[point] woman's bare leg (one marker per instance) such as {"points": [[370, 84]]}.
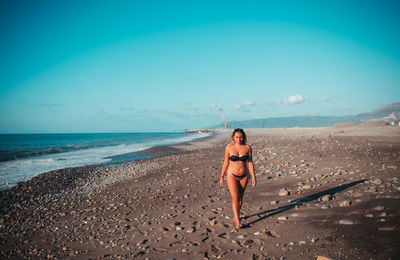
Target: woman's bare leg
{"points": [[236, 188], [242, 188], [233, 186]]}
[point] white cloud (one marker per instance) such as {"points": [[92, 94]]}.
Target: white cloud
{"points": [[187, 106], [244, 105], [248, 103], [325, 99], [295, 99]]}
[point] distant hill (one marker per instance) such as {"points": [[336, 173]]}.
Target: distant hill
{"points": [[389, 113]]}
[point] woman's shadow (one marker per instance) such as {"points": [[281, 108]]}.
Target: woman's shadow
{"points": [[268, 213]]}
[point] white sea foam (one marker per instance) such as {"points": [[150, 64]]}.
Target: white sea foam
{"points": [[12, 172]]}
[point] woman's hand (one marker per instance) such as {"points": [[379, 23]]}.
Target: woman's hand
{"points": [[221, 182], [253, 182]]}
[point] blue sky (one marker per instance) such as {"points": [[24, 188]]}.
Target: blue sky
{"points": [[126, 66]]}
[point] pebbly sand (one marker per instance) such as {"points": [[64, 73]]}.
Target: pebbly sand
{"points": [[319, 193]]}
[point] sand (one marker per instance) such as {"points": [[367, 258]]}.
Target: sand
{"points": [[331, 192]]}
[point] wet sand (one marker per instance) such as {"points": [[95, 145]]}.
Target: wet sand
{"points": [[319, 193]]}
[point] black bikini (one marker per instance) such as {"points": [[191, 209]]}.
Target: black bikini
{"points": [[236, 158], [238, 176]]}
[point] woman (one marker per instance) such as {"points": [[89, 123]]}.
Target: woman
{"points": [[238, 162]]}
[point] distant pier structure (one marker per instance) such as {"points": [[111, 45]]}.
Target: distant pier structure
{"points": [[192, 131]]}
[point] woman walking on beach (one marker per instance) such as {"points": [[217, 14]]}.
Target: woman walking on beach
{"points": [[238, 163]]}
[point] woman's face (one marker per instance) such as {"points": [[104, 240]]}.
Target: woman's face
{"points": [[238, 138]]}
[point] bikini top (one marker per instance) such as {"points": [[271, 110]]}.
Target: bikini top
{"points": [[242, 158]]}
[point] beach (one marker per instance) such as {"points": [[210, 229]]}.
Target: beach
{"points": [[330, 192]]}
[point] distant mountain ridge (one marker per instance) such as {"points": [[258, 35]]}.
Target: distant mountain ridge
{"points": [[389, 113]]}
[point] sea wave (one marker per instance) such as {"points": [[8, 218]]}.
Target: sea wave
{"points": [[14, 171], [15, 154]]}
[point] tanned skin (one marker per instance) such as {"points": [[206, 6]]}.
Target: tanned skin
{"points": [[237, 185]]}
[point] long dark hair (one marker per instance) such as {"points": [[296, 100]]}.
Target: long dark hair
{"points": [[240, 130]]}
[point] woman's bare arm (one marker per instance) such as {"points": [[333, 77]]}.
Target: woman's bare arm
{"points": [[251, 168], [224, 167]]}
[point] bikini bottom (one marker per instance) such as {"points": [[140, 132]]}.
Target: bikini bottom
{"points": [[238, 176]]}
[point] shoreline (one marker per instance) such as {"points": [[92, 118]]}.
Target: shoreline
{"points": [[115, 160], [155, 151], [172, 206], [71, 178]]}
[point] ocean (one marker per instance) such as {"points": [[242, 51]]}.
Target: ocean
{"points": [[23, 156]]}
